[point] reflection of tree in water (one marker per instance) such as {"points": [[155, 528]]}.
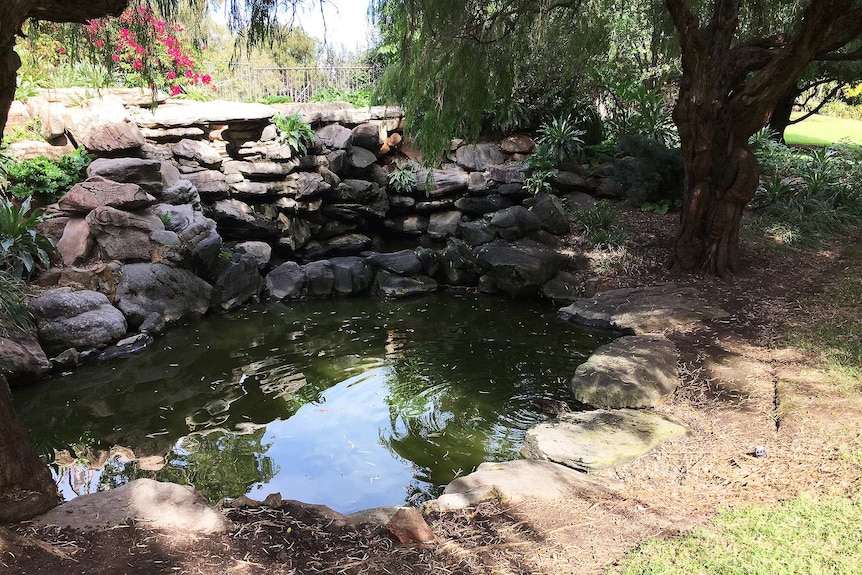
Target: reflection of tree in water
{"points": [[218, 464]]}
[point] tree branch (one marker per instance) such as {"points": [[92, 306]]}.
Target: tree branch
{"points": [[70, 11], [817, 108]]}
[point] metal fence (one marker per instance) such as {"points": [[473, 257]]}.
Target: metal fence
{"points": [[300, 84]]}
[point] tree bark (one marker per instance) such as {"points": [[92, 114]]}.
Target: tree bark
{"points": [[26, 486], [780, 118]]}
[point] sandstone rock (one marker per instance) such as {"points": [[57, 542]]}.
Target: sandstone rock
{"points": [[21, 357], [183, 192], [335, 136], [518, 144], [593, 440], [479, 206], [260, 251], [520, 268], [571, 182], [101, 277], [444, 224], [178, 114], [404, 262], [394, 286], [209, 183], [79, 319], [479, 157], [370, 135], [150, 504], [124, 235], [660, 308], [445, 181], [76, 243], [49, 116], [509, 174], [31, 150], [102, 125], [476, 233], [320, 279], [285, 281], [198, 151], [360, 158], [580, 200], [175, 294], [409, 526], [97, 191], [459, 264], [346, 245], [413, 224], [167, 135], [145, 173], [563, 288], [635, 371], [237, 281]]}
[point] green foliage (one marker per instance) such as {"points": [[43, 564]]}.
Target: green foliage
{"points": [[293, 131], [636, 110], [27, 88], [842, 110], [45, 178], [542, 168], [559, 140], [22, 248], [602, 227], [660, 208], [274, 99], [650, 171], [26, 133], [402, 179], [804, 536], [14, 313], [359, 99]]}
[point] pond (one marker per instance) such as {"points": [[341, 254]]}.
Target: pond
{"points": [[350, 403]]}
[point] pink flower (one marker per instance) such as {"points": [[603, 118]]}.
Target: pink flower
{"points": [[206, 79], [115, 57], [100, 43], [172, 75], [61, 50], [138, 65], [175, 90], [189, 74]]}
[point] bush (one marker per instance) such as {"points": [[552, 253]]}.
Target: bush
{"points": [[403, 178], [22, 248], [47, 179], [559, 140], [14, 313], [650, 171], [293, 131], [842, 110], [359, 98]]}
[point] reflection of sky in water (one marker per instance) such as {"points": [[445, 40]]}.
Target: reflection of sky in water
{"points": [[348, 403]]}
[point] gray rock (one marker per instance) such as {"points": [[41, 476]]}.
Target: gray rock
{"points": [[413, 224], [459, 264], [260, 251], [508, 174], [149, 503], [351, 275], [571, 182], [175, 294], [580, 200], [183, 192], [660, 308], [518, 144], [360, 158], [514, 223], [210, 184], [394, 286], [476, 233], [446, 181], [593, 440], [238, 281], [145, 173], [198, 151], [430, 260], [286, 281], [402, 263], [305, 185], [102, 125], [123, 235], [177, 114], [563, 288], [199, 243], [479, 206], [97, 191], [369, 135], [520, 268], [320, 279], [80, 319], [335, 136], [550, 211], [515, 481], [21, 356], [479, 157], [444, 224], [238, 220], [125, 347], [636, 371]]}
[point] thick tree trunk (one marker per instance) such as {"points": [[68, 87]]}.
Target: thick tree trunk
{"points": [[26, 486], [780, 118]]}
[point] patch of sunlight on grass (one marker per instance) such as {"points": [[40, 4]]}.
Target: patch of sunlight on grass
{"points": [[804, 536], [824, 131]]}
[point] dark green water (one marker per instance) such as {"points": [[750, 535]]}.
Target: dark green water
{"points": [[350, 403]]}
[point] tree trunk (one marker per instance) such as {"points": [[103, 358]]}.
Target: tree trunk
{"points": [[26, 486], [780, 118]]}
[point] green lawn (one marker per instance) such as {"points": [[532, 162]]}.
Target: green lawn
{"points": [[822, 131]]}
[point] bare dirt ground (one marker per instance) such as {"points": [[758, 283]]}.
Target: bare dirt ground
{"points": [[741, 389]]}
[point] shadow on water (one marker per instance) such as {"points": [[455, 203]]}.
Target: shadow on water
{"points": [[351, 403]]}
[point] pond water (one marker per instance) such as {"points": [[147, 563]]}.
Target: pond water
{"points": [[351, 403]]}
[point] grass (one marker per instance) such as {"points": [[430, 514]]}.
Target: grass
{"points": [[824, 131], [803, 536]]}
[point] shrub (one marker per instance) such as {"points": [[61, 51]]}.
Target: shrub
{"points": [[359, 98], [14, 313], [293, 131], [403, 178], [26, 133], [45, 178], [650, 171], [22, 248], [541, 168], [559, 140], [842, 110]]}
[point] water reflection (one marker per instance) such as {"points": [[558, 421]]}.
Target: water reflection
{"points": [[351, 403]]}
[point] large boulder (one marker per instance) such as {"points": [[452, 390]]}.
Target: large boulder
{"points": [[172, 293], [199, 244], [443, 182], [514, 223], [475, 206], [103, 125], [403, 263], [479, 157], [97, 191], [21, 356], [635, 371], [394, 286], [319, 278], [550, 211], [80, 319], [520, 268], [335, 136], [444, 224], [76, 243], [145, 173], [459, 264], [287, 281], [123, 235], [238, 281], [198, 151], [593, 440], [351, 275]]}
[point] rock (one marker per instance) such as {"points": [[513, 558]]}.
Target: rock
{"points": [[285, 281], [443, 182], [179, 114], [351, 275], [123, 235], [150, 504], [370, 135], [518, 144], [430, 260], [260, 251], [593, 440], [305, 185], [660, 308], [360, 158], [101, 277], [397, 202], [80, 319], [514, 223], [571, 182], [238, 281], [635, 371], [402, 263], [514, 481], [209, 183], [409, 526], [476, 233], [335, 136], [413, 224], [102, 125], [125, 347], [394, 286], [509, 174], [459, 264], [259, 170], [199, 152], [183, 192], [145, 173], [175, 294], [562, 288], [238, 220], [199, 242], [97, 192], [31, 150], [76, 242], [320, 279], [346, 245], [49, 116], [375, 516], [551, 213], [580, 200], [167, 135], [479, 157], [608, 188], [444, 224], [479, 206], [21, 356], [520, 268]]}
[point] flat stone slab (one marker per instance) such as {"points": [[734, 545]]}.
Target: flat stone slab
{"points": [[179, 114], [635, 371], [660, 308], [593, 440], [151, 504], [515, 481]]}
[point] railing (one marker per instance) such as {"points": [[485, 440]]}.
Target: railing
{"points": [[300, 83]]}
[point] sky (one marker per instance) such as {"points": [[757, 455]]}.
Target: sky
{"points": [[347, 23]]}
